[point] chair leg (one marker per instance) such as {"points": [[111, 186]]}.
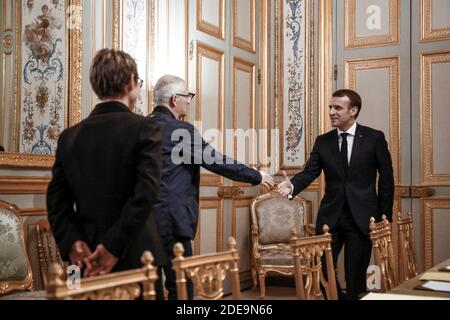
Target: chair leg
{"points": [[254, 277], [262, 284]]}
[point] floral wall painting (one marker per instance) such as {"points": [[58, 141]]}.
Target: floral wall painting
{"points": [[43, 56], [135, 40], [294, 65]]}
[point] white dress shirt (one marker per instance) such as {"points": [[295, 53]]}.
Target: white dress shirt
{"points": [[350, 138]]}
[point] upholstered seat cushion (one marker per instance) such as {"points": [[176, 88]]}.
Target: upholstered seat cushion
{"points": [[35, 295], [13, 263], [275, 258], [276, 218]]}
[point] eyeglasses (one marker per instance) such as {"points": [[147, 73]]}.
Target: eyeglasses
{"points": [[189, 96], [140, 82]]}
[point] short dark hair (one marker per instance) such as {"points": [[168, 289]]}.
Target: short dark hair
{"points": [[110, 72], [355, 98]]}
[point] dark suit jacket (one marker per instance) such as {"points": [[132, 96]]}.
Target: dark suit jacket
{"points": [[370, 155], [105, 181], [176, 209]]}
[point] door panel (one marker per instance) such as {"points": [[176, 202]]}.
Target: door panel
{"points": [[223, 68], [244, 150], [240, 230], [210, 102], [378, 81], [430, 160], [396, 55], [210, 227]]}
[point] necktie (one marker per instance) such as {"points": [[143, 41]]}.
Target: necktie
{"points": [[344, 156]]}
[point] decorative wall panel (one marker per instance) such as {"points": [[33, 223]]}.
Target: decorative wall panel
{"points": [[370, 23], [295, 69], [43, 73], [434, 119]]}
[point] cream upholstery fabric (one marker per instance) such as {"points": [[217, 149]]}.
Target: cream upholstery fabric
{"points": [[276, 218], [276, 258], [13, 263]]}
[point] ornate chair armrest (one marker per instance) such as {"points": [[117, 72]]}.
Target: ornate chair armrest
{"points": [[310, 230]]}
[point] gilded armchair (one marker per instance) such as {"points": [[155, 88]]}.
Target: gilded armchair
{"points": [[15, 268], [48, 252], [310, 254], [273, 217], [207, 272], [383, 252], [407, 247], [124, 285]]}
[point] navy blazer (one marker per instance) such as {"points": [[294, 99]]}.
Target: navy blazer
{"points": [[105, 181], [176, 209], [370, 155]]}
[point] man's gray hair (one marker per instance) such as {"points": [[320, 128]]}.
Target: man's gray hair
{"points": [[166, 87]]}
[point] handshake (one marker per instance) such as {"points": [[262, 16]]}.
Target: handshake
{"points": [[285, 188]]}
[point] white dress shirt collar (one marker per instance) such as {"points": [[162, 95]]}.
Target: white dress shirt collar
{"points": [[351, 131]]}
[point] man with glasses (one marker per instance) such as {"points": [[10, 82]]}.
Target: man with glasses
{"points": [[106, 177], [176, 209]]}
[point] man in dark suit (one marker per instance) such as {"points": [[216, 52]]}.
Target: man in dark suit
{"points": [[350, 157], [184, 152], [106, 176]]}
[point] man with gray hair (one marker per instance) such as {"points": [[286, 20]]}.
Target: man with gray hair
{"points": [[106, 177], [184, 150]]}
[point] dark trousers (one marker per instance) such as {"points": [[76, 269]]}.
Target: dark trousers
{"points": [[169, 242], [358, 250]]}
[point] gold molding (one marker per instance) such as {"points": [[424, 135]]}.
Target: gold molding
{"points": [[393, 64], [75, 68], [206, 51], [23, 160], [8, 42], [265, 50], [352, 41], [210, 203], [24, 185], [402, 192], [325, 76], [32, 212], [15, 114], [396, 207], [250, 68], [239, 42], [308, 80], [116, 24], [427, 227], [422, 192], [206, 27], [73, 91], [427, 33], [7, 101], [124, 285], [186, 38], [210, 180], [413, 192], [428, 177]]}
